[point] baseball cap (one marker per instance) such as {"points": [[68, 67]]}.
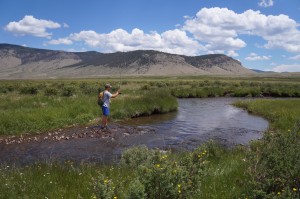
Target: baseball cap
{"points": [[107, 86]]}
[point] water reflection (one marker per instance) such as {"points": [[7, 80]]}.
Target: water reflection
{"points": [[202, 119]]}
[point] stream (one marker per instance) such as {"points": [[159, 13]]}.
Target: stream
{"points": [[196, 122]]}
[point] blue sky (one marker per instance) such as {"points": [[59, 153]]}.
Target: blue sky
{"points": [[262, 34]]}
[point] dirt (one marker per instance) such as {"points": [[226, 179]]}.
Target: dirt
{"points": [[80, 144]]}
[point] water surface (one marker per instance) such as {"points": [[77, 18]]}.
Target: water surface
{"points": [[196, 122]]}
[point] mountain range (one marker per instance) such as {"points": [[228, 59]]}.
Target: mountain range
{"points": [[24, 62]]}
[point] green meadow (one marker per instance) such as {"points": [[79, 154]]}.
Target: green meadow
{"points": [[268, 169]]}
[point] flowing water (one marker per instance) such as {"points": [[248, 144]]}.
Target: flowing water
{"points": [[196, 122], [200, 120]]}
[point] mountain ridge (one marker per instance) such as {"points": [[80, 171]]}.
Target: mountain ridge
{"points": [[25, 62]]}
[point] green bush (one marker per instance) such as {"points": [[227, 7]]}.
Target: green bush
{"points": [[103, 187], [31, 90], [163, 177], [136, 190], [277, 166], [50, 92], [68, 91]]}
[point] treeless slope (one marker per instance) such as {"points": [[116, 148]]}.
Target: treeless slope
{"points": [[23, 62]]}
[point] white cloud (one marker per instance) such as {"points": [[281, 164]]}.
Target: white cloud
{"points": [[171, 41], [32, 26], [212, 30], [232, 53], [65, 25], [266, 3], [255, 57], [297, 57], [287, 68], [220, 28], [65, 41]]}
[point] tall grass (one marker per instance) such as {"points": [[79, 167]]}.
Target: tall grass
{"points": [[275, 160], [31, 113]]}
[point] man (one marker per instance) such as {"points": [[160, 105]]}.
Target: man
{"points": [[106, 104]]}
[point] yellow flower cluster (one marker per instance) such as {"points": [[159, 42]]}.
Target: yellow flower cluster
{"points": [[163, 157], [179, 188], [294, 189], [202, 154]]}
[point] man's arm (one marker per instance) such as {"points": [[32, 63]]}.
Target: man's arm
{"points": [[115, 94]]}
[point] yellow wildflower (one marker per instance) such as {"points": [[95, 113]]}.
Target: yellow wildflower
{"points": [[179, 191], [106, 181], [115, 197], [157, 165], [179, 185], [294, 189], [278, 193]]}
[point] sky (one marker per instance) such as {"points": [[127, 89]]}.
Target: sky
{"points": [[261, 34]]}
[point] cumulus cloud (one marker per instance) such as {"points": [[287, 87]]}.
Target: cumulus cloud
{"points": [[232, 53], [212, 30], [266, 3], [220, 28], [171, 41], [65, 25], [255, 57], [32, 26], [65, 41], [287, 68], [297, 57]]}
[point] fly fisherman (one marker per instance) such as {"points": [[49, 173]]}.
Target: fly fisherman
{"points": [[106, 104]]}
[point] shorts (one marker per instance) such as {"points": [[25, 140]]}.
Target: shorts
{"points": [[105, 111]]}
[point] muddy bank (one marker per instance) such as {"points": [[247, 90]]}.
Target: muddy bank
{"points": [[79, 144]]}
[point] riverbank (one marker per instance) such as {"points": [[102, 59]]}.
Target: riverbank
{"points": [[227, 125], [269, 169], [224, 173]]}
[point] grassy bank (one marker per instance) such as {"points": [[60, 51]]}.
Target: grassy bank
{"points": [[208, 172], [269, 169], [42, 106], [30, 106], [275, 160]]}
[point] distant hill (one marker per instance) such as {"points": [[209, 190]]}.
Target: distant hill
{"points": [[23, 62]]}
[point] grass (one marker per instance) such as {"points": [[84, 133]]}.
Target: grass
{"points": [[30, 106], [274, 161], [269, 169]]}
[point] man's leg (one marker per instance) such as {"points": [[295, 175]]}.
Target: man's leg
{"points": [[104, 121], [105, 111]]}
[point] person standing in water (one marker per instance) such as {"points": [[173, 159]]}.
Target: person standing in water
{"points": [[106, 104]]}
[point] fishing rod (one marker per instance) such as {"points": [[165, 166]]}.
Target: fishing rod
{"points": [[120, 77]]}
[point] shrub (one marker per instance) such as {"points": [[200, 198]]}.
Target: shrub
{"points": [[160, 176], [103, 187], [146, 87], [50, 92], [136, 190], [68, 91], [276, 165], [31, 90], [3, 90]]}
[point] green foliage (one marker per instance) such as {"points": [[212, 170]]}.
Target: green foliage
{"points": [[274, 161], [163, 177], [68, 91], [31, 90], [103, 187], [50, 92], [136, 190]]}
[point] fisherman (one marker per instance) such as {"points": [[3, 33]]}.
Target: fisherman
{"points": [[106, 104]]}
